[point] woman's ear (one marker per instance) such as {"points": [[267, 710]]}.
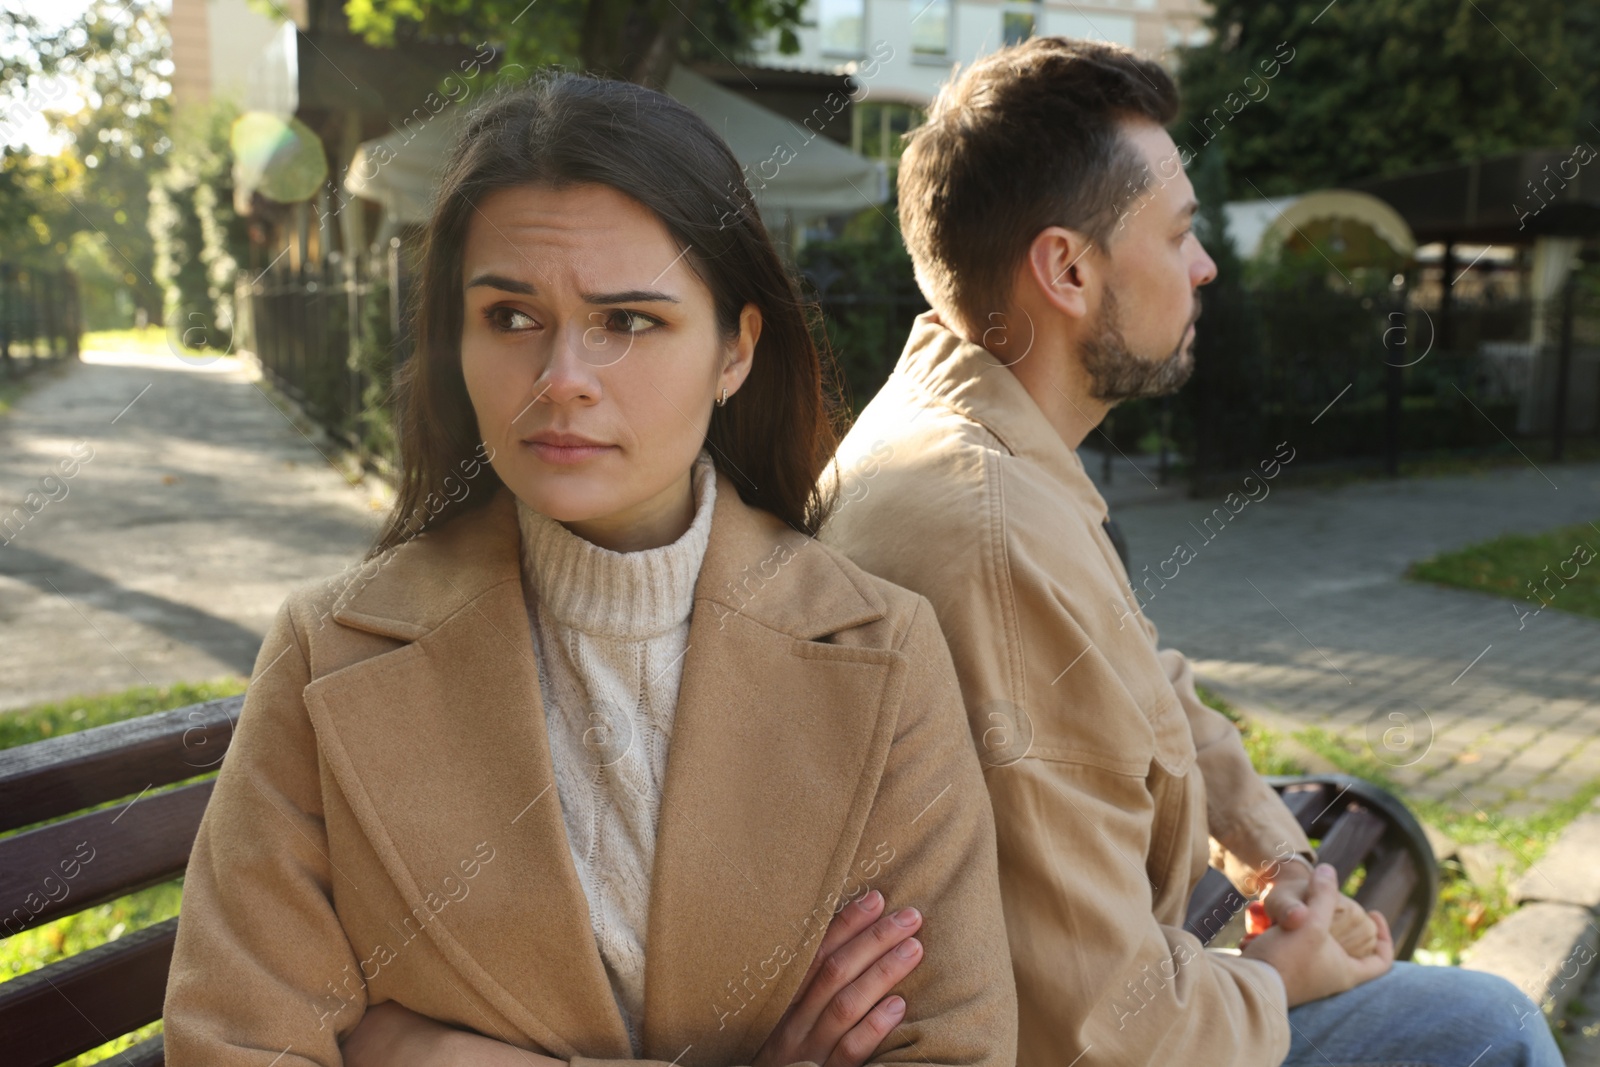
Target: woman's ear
{"points": [[742, 354]]}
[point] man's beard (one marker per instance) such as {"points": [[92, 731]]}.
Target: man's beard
{"points": [[1117, 374]]}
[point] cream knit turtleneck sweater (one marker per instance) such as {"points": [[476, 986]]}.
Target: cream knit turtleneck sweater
{"points": [[610, 630]]}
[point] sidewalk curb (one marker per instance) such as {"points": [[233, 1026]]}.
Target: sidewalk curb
{"points": [[1549, 946]]}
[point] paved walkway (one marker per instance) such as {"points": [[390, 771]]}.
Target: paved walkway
{"points": [[1297, 605], [198, 509]]}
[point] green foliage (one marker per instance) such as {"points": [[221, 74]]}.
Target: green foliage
{"points": [[36, 216], [1532, 569], [116, 56], [1382, 86], [606, 35], [866, 325], [120, 137], [200, 239]]}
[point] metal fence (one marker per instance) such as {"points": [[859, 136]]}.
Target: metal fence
{"points": [[1371, 380], [40, 318], [1341, 378], [330, 339]]}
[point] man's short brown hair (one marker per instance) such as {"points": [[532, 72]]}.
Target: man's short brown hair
{"points": [[1025, 138]]}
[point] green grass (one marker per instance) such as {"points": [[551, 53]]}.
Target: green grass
{"points": [[1264, 746], [1551, 561], [1464, 910], [150, 340], [71, 934], [80, 713]]}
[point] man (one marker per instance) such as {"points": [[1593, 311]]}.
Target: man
{"points": [[1048, 217]]}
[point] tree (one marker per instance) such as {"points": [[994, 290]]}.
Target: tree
{"points": [[115, 57], [1307, 94], [122, 135], [634, 39]]}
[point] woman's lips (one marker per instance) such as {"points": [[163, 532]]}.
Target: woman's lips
{"points": [[566, 455]]}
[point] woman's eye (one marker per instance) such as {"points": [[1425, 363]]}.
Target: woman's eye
{"points": [[629, 321], [508, 319]]}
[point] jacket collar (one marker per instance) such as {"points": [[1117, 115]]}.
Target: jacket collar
{"points": [[778, 745], [967, 378]]}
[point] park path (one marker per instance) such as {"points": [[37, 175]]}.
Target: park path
{"points": [[1297, 606], [200, 507]]}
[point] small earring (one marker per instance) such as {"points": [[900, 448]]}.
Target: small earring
{"points": [[722, 401]]}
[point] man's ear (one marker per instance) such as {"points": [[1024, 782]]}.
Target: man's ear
{"points": [[1062, 266]]}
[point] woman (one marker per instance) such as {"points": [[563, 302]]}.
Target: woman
{"points": [[587, 762]]}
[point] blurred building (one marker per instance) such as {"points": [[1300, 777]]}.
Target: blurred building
{"points": [[215, 44]]}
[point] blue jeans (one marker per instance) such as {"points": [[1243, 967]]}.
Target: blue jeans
{"points": [[1416, 1016]]}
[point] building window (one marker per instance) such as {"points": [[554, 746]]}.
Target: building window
{"points": [[876, 129], [1018, 22], [930, 27], [842, 24]]}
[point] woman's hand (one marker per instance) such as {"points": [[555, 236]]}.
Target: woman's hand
{"points": [[390, 1035], [842, 1012]]}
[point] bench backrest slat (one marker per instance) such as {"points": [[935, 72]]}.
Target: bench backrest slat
{"points": [[75, 864], [61, 775], [81, 1002]]}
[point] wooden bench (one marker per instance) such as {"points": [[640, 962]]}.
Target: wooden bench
{"points": [[73, 860], [1361, 827], [141, 834]]}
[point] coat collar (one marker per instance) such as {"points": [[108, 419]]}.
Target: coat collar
{"points": [[967, 378], [424, 581], [777, 748]]}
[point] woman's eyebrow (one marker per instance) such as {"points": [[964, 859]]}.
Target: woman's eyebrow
{"points": [[625, 296], [500, 281], [630, 296]]}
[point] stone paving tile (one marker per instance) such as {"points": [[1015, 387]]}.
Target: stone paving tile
{"points": [[201, 508], [1300, 604]]}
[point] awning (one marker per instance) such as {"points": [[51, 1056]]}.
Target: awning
{"points": [[1260, 227], [794, 175]]}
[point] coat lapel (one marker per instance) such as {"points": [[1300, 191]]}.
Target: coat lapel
{"points": [[777, 747], [439, 745]]}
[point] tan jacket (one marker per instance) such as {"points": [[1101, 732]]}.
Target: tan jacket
{"points": [[384, 826], [1105, 770]]}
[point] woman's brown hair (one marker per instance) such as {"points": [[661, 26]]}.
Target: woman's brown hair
{"points": [[772, 439]]}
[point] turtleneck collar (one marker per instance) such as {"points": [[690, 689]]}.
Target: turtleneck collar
{"points": [[633, 595]]}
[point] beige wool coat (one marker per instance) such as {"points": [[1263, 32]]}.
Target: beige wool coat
{"points": [[1107, 773], [384, 826]]}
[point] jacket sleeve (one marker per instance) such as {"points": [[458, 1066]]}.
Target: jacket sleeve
{"points": [[929, 843], [259, 971], [1243, 812]]}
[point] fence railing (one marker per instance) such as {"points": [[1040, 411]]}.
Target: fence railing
{"points": [[1341, 378], [1371, 380], [330, 338], [40, 318]]}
